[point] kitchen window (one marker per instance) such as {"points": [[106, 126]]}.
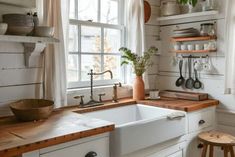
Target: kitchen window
{"points": [[96, 32]]}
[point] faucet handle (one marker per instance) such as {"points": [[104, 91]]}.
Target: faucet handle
{"points": [[119, 84], [100, 97], [80, 97]]}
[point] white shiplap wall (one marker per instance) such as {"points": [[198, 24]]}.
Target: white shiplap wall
{"points": [[16, 80], [152, 36]]}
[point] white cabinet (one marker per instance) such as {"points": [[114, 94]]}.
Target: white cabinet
{"points": [[177, 154], [199, 121], [98, 147]]}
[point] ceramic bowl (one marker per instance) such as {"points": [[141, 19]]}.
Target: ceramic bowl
{"points": [[44, 31], [3, 28]]}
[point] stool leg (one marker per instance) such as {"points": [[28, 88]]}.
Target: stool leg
{"points": [[204, 151], [211, 151], [226, 151], [231, 151]]}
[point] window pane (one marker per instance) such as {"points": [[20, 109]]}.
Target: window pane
{"points": [[88, 10], [91, 39], [90, 62], [73, 68], [72, 9], [73, 38], [109, 11], [112, 40], [112, 62]]}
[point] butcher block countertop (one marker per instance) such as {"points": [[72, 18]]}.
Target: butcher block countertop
{"points": [[66, 124]]}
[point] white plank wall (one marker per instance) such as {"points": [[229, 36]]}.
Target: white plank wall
{"points": [[16, 80], [152, 36]]}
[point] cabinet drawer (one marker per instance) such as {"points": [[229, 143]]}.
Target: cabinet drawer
{"points": [[200, 120], [177, 154], [99, 146]]}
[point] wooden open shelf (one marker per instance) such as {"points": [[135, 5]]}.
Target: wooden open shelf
{"points": [[194, 38], [194, 51]]}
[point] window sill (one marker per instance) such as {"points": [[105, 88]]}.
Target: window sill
{"points": [[75, 90], [124, 91]]}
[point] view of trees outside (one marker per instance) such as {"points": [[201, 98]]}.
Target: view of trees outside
{"points": [[93, 54]]}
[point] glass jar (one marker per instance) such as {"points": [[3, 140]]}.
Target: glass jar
{"points": [[207, 29]]}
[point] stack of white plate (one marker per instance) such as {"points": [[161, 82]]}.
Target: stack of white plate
{"points": [[187, 32]]}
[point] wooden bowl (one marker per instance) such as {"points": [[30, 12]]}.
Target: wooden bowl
{"points": [[32, 109]]}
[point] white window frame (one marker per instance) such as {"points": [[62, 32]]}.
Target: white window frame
{"points": [[120, 26]]}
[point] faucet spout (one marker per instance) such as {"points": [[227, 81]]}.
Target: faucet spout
{"points": [[92, 101], [107, 71]]}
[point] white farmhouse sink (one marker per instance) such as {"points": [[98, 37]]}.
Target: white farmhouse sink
{"points": [[140, 126]]}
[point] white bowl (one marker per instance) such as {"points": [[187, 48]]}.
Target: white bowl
{"points": [[44, 31], [3, 28]]}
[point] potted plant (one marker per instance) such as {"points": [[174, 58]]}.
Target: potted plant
{"points": [[140, 64], [191, 4]]}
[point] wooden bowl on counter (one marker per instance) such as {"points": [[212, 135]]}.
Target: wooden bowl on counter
{"points": [[32, 109]]}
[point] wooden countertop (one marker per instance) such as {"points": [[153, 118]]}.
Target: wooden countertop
{"points": [[180, 104], [65, 125]]}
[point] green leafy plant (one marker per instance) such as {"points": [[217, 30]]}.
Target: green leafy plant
{"points": [[191, 2], [139, 63]]}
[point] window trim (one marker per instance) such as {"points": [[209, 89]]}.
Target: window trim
{"points": [[120, 26]]}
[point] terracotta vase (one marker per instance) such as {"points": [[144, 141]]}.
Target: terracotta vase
{"points": [[138, 88]]}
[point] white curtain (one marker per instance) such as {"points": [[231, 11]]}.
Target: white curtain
{"points": [[55, 84], [230, 52], [135, 30]]}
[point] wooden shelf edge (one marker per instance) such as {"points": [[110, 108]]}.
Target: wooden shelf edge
{"points": [[194, 51], [188, 15], [27, 39], [200, 38]]}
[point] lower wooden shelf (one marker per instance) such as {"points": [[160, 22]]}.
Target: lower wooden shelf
{"points": [[194, 51]]}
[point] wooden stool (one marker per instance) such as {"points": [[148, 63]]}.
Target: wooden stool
{"points": [[219, 139]]}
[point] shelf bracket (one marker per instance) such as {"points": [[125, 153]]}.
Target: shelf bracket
{"points": [[32, 51]]}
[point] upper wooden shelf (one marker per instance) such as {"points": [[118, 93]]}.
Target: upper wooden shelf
{"points": [[194, 38], [27, 39], [189, 15]]}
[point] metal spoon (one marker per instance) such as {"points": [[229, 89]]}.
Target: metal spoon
{"points": [[180, 80], [189, 82], [197, 84]]}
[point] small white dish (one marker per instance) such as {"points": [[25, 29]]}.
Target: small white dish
{"points": [[183, 47], [157, 98]]}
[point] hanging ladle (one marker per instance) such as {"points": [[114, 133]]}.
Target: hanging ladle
{"points": [[189, 82], [197, 84], [180, 80]]}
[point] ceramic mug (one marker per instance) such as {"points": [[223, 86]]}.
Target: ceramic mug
{"points": [[176, 47], [198, 65], [206, 65], [154, 94], [206, 46], [191, 47], [198, 47], [183, 47]]}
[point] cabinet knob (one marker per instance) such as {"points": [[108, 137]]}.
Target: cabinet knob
{"points": [[200, 146], [91, 154], [201, 122]]}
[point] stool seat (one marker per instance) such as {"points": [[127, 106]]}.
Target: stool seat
{"points": [[215, 138]]}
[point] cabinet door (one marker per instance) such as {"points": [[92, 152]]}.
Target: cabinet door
{"points": [[100, 147], [177, 154]]}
